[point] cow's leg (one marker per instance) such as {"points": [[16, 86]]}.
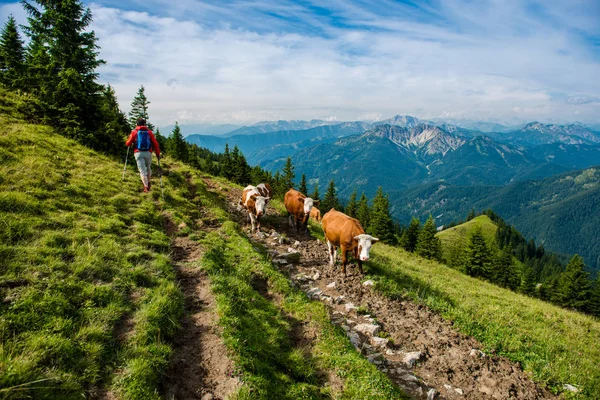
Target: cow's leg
{"points": [[298, 223], [331, 249], [360, 267], [291, 220], [253, 220], [344, 259], [258, 224], [358, 261]]}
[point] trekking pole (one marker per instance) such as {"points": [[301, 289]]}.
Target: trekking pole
{"points": [[125, 167], [162, 189]]}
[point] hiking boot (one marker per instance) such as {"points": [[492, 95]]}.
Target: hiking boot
{"points": [[146, 189], [149, 185]]}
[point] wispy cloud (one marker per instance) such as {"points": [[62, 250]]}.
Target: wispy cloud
{"points": [[242, 61]]}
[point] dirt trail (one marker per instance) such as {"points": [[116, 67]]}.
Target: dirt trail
{"points": [[415, 347], [199, 367]]}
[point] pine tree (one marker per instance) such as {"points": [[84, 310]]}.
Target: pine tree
{"points": [[527, 281], [363, 211], [315, 194], [505, 273], [594, 303], [410, 236], [351, 207], [381, 224], [240, 171], [178, 147], [429, 245], [226, 165], [115, 124], [12, 56], [139, 108], [303, 189], [288, 175], [478, 260], [330, 199], [574, 286], [162, 141], [471, 214], [62, 58]]}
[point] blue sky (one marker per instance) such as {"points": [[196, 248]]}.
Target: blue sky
{"points": [[248, 60]]}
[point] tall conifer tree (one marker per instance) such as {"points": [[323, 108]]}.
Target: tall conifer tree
{"points": [[594, 303], [303, 189], [178, 147], [363, 211], [380, 223], [139, 108], [351, 207], [288, 175], [478, 259], [330, 199], [411, 235], [315, 194], [574, 286], [62, 59], [429, 245], [12, 55]]}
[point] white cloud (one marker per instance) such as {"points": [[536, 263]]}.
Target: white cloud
{"points": [[220, 62]]}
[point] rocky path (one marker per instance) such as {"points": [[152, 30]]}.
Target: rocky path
{"points": [[415, 347], [199, 368]]}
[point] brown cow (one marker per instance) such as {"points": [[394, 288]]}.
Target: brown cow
{"points": [[298, 207], [347, 233], [255, 203], [315, 214]]}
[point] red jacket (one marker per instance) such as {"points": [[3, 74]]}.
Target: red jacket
{"points": [[133, 139]]}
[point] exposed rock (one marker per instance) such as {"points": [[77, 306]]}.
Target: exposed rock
{"points": [[459, 391], [350, 306], [476, 353], [276, 235], [379, 342], [292, 250], [331, 285], [314, 293], [411, 358], [281, 261], [208, 396], [409, 378], [339, 300], [316, 276], [261, 235], [292, 258], [368, 329], [281, 240], [296, 243], [368, 283], [432, 394], [570, 388], [390, 352], [354, 338], [374, 358]]}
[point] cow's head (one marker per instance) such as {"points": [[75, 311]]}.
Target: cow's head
{"points": [[308, 205], [260, 204], [364, 245]]}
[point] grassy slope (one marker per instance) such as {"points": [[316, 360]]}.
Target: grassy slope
{"points": [[556, 345], [456, 238], [89, 294], [84, 258], [258, 331]]}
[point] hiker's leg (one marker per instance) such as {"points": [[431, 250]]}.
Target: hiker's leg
{"points": [[148, 158], [141, 164]]}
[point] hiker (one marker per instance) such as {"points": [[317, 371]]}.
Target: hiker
{"points": [[144, 144]]}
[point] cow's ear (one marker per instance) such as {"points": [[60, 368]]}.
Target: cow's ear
{"points": [[267, 198], [356, 238], [316, 202], [374, 240], [301, 200]]}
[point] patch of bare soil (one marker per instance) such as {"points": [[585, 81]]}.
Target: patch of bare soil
{"points": [[420, 351], [199, 368]]}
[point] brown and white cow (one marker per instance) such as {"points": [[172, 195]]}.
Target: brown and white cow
{"points": [[298, 207], [255, 203], [347, 233], [315, 214]]}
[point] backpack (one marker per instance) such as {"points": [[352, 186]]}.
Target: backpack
{"points": [[143, 140]]}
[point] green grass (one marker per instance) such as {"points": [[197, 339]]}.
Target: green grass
{"points": [[258, 330], [82, 253], [558, 346], [455, 240]]}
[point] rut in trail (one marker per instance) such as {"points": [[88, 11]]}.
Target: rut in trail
{"points": [[419, 351], [199, 367]]}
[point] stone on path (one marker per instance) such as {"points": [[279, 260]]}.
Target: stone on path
{"points": [[367, 329], [368, 283], [331, 285], [570, 388], [411, 358]]}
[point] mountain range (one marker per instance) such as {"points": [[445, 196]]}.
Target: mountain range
{"points": [[440, 168]]}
